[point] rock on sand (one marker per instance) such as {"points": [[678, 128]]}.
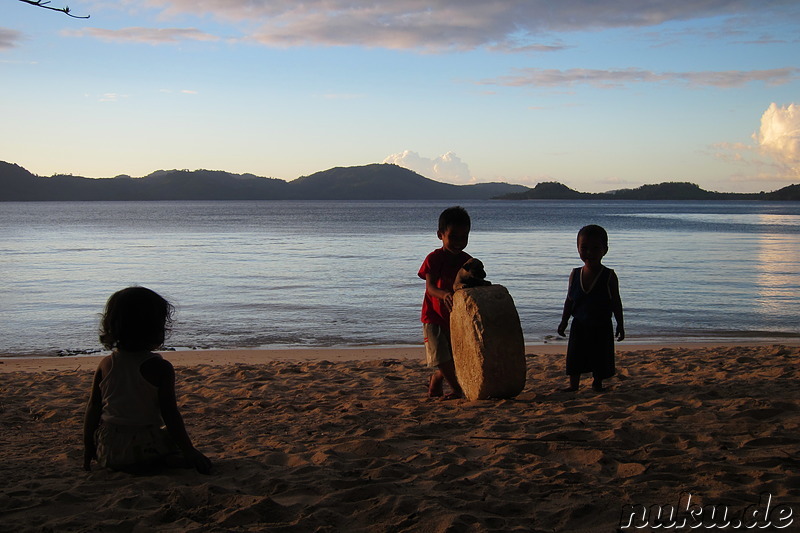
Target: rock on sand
{"points": [[488, 346]]}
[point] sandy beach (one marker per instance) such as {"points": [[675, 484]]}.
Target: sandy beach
{"points": [[346, 440]]}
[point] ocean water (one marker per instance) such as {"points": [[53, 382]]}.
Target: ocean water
{"points": [[293, 274]]}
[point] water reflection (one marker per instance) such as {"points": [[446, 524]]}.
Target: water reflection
{"points": [[778, 292]]}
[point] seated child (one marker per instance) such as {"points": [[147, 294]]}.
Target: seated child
{"points": [[133, 392]]}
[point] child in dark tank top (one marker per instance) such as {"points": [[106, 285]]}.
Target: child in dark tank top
{"points": [[592, 297]]}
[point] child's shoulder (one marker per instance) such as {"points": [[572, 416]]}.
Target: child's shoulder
{"points": [[157, 360], [435, 253], [442, 254], [158, 370], [104, 365], [433, 256]]}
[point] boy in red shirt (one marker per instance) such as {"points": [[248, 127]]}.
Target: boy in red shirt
{"points": [[439, 272]]}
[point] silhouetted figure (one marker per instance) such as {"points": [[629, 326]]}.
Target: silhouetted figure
{"points": [[133, 392], [592, 297]]}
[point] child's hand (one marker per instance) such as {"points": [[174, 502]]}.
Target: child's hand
{"points": [[88, 455], [562, 328], [620, 333], [448, 301], [200, 462]]}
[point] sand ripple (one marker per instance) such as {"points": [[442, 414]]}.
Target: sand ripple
{"points": [[356, 446]]}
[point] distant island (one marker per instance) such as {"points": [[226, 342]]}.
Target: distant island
{"points": [[368, 182], [662, 191]]}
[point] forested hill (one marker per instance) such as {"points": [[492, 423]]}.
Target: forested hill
{"points": [[661, 191], [369, 182]]}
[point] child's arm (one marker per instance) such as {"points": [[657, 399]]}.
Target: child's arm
{"points": [[436, 292], [562, 327], [616, 305], [566, 313], [91, 420], [174, 421]]}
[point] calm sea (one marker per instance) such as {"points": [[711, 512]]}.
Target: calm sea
{"points": [[277, 274]]}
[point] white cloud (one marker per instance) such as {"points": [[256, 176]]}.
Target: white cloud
{"points": [[775, 155], [779, 136], [447, 168], [111, 97], [456, 24]]}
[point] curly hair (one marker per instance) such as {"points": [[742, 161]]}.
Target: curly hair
{"points": [[136, 319]]}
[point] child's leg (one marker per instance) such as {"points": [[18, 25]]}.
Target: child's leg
{"points": [[597, 385], [437, 352], [448, 370], [436, 385], [574, 383]]}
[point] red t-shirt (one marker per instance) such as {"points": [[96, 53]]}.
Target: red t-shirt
{"points": [[443, 268]]}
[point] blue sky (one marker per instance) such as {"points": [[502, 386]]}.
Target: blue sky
{"points": [[595, 94]]}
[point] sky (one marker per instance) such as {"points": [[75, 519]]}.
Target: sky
{"points": [[598, 95]]}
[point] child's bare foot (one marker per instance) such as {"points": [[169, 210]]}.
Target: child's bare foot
{"points": [[597, 386], [453, 395], [435, 387], [570, 389]]}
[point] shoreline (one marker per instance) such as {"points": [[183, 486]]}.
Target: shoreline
{"points": [[255, 356]]}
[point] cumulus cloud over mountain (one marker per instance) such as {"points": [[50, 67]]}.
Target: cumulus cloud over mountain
{"points": [[447, 168]]}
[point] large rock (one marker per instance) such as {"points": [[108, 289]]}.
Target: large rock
{"points": [[488, 347]]}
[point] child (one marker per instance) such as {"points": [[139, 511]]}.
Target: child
{"points": [[592, 297], [439, 272], [133, 393]]}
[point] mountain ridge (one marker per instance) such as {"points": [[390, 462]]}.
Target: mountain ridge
{"points": [[368, 182], [378, 181], [670, 190]]}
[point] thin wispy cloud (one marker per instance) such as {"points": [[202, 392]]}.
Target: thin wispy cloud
{"points": [[449, 25], [181, 91], [511, 47], [145, 35], [9, 38], [112, 97], [342, 96], [613, 78]]}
